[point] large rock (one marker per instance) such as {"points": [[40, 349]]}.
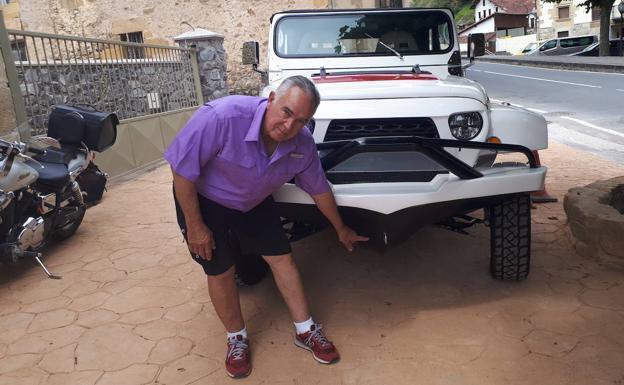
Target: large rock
{"points": [[595, 223]]}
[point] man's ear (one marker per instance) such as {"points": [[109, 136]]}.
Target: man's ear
{"points": [[271, 97]]}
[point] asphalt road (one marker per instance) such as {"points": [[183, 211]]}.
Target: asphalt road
{"points": [[584, 109]]}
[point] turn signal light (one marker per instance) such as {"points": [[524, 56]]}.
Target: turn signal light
{"points": [[494, 139]]}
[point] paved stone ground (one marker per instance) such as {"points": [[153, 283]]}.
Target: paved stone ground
{"points": [[133, 309]]}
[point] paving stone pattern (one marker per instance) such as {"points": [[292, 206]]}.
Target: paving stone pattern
{"points": [[132, 308]]}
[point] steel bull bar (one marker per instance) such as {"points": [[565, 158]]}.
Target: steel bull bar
{"points": [[387, 229], [342, 150]]}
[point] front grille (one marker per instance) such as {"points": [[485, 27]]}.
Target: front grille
{"points": [[345, 129]]}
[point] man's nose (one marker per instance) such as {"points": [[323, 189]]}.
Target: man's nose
{"points": [[291, 123]]}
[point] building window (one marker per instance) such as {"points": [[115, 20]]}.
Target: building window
{"points": [[484, 3], [563, 34], [390, 4], [531, 22], [595, 12], [489, 11], [133, 52], [4, 2], [18, 47], [496, 9], [563, 12]]}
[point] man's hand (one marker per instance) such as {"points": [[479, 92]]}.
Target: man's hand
{"points": [[200, 241], [348, 237]]}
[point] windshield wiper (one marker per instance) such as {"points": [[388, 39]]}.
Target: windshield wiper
{"points": [[387, 46]]}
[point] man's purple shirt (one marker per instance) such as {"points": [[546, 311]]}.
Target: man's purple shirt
{"points": [[221, 151]]}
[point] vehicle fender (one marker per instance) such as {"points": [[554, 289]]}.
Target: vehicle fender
{"points": [[514, 125]]}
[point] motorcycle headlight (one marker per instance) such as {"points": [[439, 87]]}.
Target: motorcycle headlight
{"points": [[465, 125]]}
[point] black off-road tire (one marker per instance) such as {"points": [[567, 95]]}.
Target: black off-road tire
{"points": [[510, 238]]}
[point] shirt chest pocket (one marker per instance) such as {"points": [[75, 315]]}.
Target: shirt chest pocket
{"points": [[236, 166], [288, 167]]}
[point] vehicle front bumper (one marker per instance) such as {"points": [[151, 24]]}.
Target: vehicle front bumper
{"points": [[390, 211]]}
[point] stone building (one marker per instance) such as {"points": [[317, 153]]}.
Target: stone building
{"points": [[158, 22], [570, 18]]}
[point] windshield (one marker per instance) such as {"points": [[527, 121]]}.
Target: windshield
{"points": [[365, 34], [530, 47]]}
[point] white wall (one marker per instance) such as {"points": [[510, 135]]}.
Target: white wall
{"points": [[580, 16], [489, 8], [486, 26], [514, 45], [545, 20]]}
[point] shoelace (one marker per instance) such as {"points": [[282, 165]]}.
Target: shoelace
{"points": [[317, 336], [237, 348]]}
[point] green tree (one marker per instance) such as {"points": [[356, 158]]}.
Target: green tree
{"points": [[461, 8], [605, 19]]}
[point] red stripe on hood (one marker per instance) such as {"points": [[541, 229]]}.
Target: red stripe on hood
{"points": [[370, 77]]}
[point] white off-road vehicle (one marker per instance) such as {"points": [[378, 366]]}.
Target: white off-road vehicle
{"points": [[405, 140]]}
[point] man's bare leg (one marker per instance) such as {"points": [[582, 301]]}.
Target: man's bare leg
{"points": [[224, 295], [290, 285]]}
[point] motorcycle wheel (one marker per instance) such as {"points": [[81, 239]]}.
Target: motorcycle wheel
{"points": [[69, 229]]}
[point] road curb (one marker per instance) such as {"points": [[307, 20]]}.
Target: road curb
{"points": [[592, 67]]}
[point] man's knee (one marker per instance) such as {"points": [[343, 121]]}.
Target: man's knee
{"points": [[277, 261], [221, 278]]}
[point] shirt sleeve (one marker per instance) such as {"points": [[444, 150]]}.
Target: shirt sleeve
{"points": [[312, 179], [196, 144]]}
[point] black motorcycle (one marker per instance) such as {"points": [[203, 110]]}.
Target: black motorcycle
{"points": [[40, 193]]}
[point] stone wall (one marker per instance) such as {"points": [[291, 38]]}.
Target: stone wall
{"points": [[121, 87], [237, 20], [212, 63]]}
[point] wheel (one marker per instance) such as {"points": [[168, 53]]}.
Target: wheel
{"points": [[250, 269], [70, 228], [510, 238]]}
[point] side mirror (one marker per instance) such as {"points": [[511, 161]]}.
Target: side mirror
{"points": [[251, 53], [476, 45]]}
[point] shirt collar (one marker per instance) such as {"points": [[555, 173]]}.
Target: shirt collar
{"points": [[253, 134]]}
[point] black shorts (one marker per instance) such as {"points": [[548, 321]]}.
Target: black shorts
{"points": [[258, 231]]}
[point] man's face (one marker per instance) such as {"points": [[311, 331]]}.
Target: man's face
{"points": [[287, 114]]}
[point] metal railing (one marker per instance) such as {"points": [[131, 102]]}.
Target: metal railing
{"points": [[128, 78]]}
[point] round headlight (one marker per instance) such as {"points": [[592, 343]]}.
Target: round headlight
{"points": [[465, 125]]}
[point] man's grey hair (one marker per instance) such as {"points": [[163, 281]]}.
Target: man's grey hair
{"points": [[305, 84]]}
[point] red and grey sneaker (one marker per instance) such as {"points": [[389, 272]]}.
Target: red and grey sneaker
{"points": [[238, 359], [315, 341]]}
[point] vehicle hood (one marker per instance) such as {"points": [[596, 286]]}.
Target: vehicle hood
{"points": [[397, 87]]}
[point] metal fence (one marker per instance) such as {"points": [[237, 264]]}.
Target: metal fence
{"points": [[128, 78]]}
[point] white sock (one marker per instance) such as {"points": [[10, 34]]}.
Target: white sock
{"points": [[242, 332], [305, 326]]}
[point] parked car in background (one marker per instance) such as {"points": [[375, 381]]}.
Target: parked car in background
{"points": [[532, 46], [594, 49], [565, 45]]}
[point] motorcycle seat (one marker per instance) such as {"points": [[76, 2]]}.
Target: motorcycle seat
{"points": [[53, 175], [61, 155]]}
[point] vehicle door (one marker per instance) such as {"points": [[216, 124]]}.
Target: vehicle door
{"points": [[548, 48], [572, 45]]}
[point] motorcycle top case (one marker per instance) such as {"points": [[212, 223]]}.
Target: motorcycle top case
{"points": [[75, 125]]}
